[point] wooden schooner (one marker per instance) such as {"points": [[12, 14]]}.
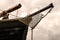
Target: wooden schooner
{"points": [[16, 29]]}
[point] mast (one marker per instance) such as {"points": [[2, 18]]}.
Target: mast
{"points": [[5, 12], [39, 11]]}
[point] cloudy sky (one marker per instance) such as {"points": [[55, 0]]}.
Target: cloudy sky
{"points": [[49, 27]]}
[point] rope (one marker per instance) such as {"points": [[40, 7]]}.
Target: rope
{"points": [[47, 12], [17, 14], [31, 34], [13, 15], [37, 23]]}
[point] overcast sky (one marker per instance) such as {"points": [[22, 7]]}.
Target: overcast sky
{"points": [[49, 27]]}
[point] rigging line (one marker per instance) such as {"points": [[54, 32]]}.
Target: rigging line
{"points": [[17, 10], [47, 12], [42, 17], [31, 33], [17, 13], [14, 15], [37, 23]]}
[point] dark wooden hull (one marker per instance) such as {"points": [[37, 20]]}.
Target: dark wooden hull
{"points": [[13, 30]]}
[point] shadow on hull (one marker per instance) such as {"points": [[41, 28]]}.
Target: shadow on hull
{"points": [[13, 30]]}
